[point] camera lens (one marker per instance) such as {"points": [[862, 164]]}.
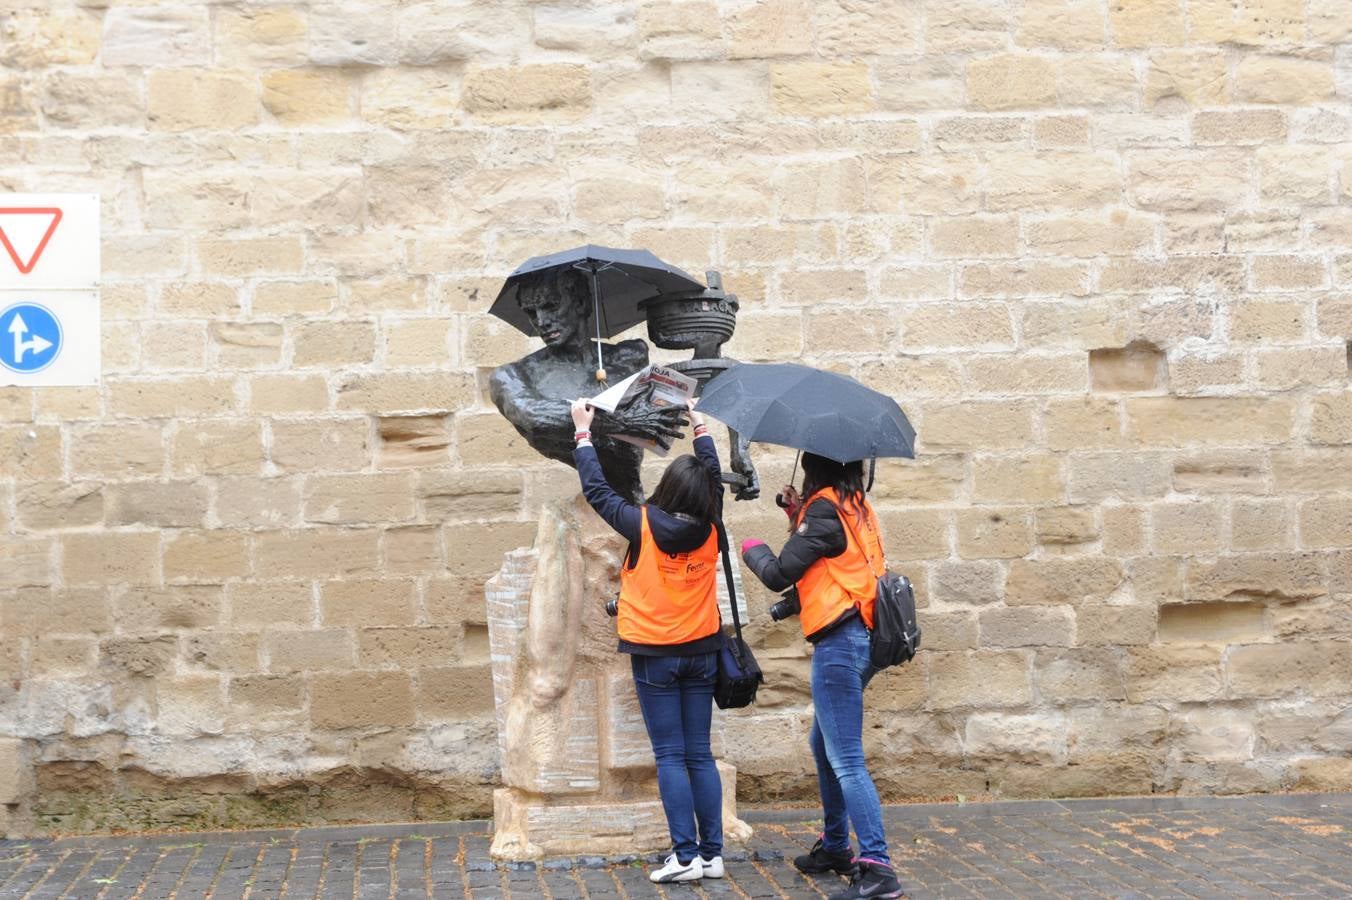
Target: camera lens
{"points": [[787, 606]]}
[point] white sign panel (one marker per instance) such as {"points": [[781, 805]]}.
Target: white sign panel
{"points": [[49, 241], [49, 299], [49, 338]]}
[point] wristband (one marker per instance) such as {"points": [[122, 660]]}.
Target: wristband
{"points": [[701, 430], [582, 436]]}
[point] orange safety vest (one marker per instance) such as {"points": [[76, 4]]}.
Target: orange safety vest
{"points": [[669, 598], [832, 585]]}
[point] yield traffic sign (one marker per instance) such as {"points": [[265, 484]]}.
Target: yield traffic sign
{"points": [[25, 231], [49, 242]]}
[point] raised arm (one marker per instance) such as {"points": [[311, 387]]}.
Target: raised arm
{"points": [[543, 421], [620, 514], [705, 448]]}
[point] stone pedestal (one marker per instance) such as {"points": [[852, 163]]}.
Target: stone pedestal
{"points": [[577, 768]]}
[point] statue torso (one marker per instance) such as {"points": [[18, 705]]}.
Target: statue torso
{"points": [[569, 382]]}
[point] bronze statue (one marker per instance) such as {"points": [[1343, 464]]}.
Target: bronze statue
{"points": [[534, 392], [575, 778]]}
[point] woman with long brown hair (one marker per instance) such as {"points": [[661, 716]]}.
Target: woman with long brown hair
{"points": [[833, 558], [669, 624]]}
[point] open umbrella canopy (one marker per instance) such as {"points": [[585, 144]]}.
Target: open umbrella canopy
{"points": [[622, 278], [821, 412]]}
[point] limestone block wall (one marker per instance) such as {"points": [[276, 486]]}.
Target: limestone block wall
{"points": [[1101, 250]]}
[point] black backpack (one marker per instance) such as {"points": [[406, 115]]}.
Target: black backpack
{"points": [[896, 634]]}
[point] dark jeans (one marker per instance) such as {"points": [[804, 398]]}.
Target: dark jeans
{"points": [[676, 694], [840, 672]]}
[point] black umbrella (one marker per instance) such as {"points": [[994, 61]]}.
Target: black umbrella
{"points": [[620, 279], [821, 412]]}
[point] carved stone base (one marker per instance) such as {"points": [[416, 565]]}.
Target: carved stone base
{"points": [[577, 767], [527, 826]]}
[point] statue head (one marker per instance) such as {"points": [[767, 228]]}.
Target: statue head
{"points": [[558, 304]]}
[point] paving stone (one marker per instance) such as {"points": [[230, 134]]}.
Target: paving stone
{"points": [[1290, 846]]}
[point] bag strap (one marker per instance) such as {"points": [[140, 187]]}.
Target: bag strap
{"points": [[727, 574]]}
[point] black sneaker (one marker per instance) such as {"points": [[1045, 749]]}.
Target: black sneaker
{"points": [[873, 880], [819, 859]]}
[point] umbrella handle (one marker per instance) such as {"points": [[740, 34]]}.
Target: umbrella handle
{"points": [[872, 467], [596, 316]]}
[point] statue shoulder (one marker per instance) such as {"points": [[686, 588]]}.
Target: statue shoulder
{"points": [[634, 350], [510, 377], [505, 372], [519, 367]]}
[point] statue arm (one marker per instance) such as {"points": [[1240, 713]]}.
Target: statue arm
{"points": [[640, 419], [740, 459], [545, 420], [535, 416], [643, 420]]}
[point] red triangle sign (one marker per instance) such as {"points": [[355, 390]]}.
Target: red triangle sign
{"points": [[54, 212]]}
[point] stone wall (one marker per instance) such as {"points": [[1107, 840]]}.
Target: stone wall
{"points": [[1097, 248]]}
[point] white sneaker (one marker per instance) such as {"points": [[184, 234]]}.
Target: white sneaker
{"points": [[672, 870], [713, 868]]}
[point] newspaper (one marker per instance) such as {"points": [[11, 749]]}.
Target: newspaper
{"points": [[658, 385]]}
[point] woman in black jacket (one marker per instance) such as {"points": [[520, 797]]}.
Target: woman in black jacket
{"points": [[833, 558]]}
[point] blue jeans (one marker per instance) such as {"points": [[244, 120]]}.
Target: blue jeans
{"points": [[676, 694], [840, 672]]}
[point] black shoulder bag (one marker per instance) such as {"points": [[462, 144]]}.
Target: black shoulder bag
{"points": [[739, 675]]}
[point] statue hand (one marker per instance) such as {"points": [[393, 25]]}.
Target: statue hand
{"points": [[655, 423], [750, 488]]}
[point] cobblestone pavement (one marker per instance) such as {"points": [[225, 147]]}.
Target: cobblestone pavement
{"points": [[1287, 846]]}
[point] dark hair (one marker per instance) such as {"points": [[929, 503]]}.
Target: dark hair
{"points": [[687, 486], [847, 478]]}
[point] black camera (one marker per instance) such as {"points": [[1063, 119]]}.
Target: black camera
{"points": [[613, 607], [786, 606]]}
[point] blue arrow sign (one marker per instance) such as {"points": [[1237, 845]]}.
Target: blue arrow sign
{"points": [[30, 338]]}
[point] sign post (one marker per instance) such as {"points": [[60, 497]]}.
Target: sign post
{"points": [[49, 289]]}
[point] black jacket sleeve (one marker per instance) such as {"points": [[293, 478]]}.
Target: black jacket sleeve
{"points": [[620, 514], [820, 535], [707, 452]]}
